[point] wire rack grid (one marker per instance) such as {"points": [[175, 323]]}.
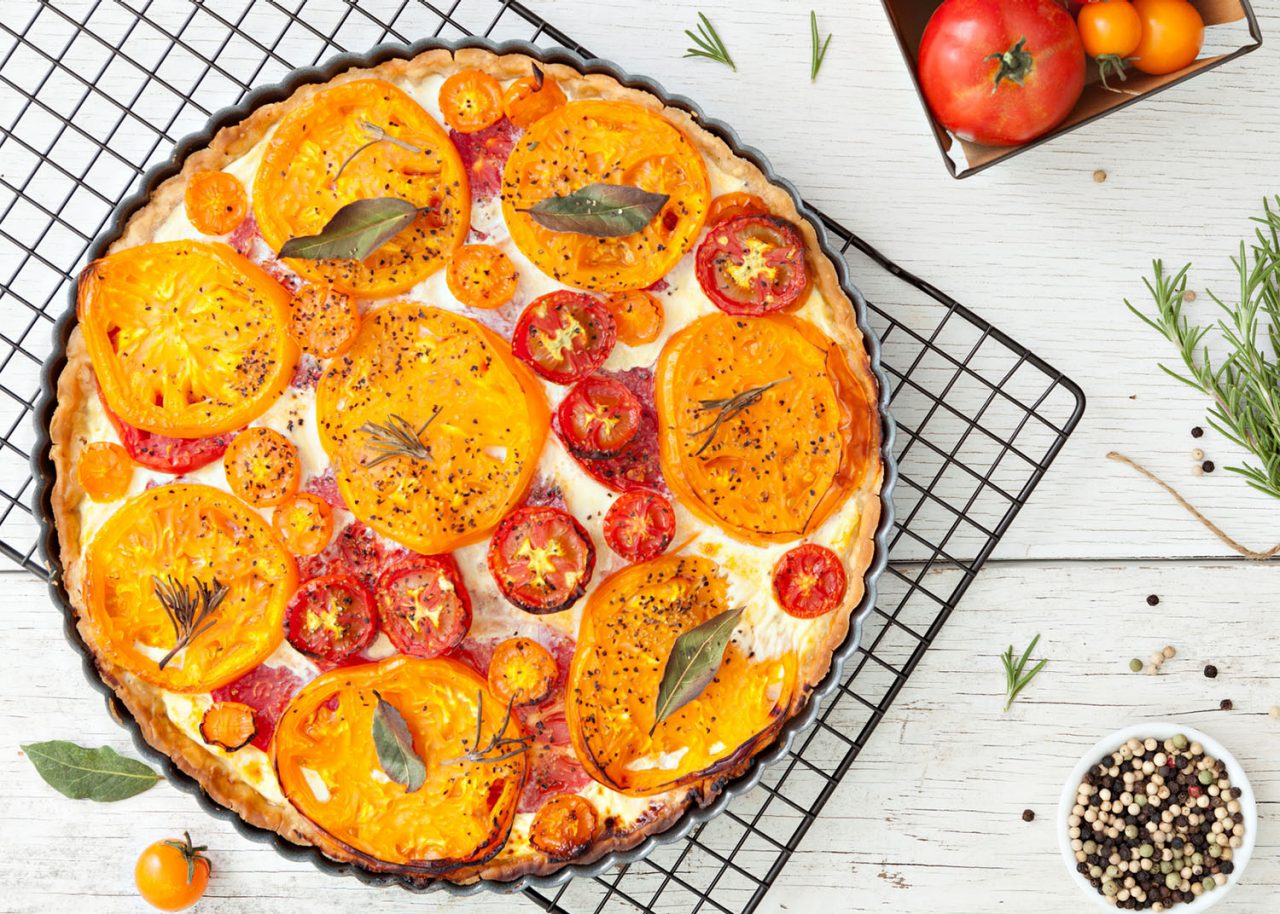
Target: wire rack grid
{"points": [[94, 92]]}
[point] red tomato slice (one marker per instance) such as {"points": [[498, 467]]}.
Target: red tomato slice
{"points": [[639, 526], [809, 581], [599, 417], [331, 618], [424, 606], [541, 559], [637, 465], [564, 336], [484, 155], [753, 265], [164, 453]]}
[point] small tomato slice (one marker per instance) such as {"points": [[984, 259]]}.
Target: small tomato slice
{"points": [[734, 204], [809, 581], [104, 470], [564, 336], [262, 466], [331, 618], [599, 417], [216, 202], [471, 100], [304, 522], [753, 265], [637, 313], [522, 672], [229, 725], [639, 526], [564, 826], [541, 559], [322, 320], [532, 97], [424, 606], [481, 276]]}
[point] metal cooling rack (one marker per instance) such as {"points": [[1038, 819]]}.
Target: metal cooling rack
{"points": [[94, 92]]}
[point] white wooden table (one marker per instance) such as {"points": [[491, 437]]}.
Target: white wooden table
{"points": [[929, 818]]}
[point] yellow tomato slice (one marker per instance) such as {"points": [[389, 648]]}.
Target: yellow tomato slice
{"points": [[187, 338], [433, 427], [330, 771], [186, 536]]}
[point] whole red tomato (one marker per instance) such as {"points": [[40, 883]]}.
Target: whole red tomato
{"points": [[1001, 72]]}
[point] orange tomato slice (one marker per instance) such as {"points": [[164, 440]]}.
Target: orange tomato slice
{"points": [[104, 470], [304, 522], [471, 100], [298, 187], [638, 314], [776, 469], [481, 276], [329, 769], [262, 466], [186, 534], [215, 202], [628, 629], [474, 421], [532, 97], [187, 338], [522, 672], [564, 826], [594, 141], [322, 320]]}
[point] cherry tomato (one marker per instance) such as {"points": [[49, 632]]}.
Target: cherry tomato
{"points": [[262, 466], [304, 522], [172, 875], [531, 97], [1172, 35], [322, 320], [599, 417], [809, 581], [541, 559], [564, 336], [564, 826], [639, 525], [104, 470], [522, 672], [229, 725], [735, 204], [753, 265], [164, 453], [1001, 72], [638, 315], [331, 618], [481, 276], [471, 100], [216, 202], [1109, 28], [424, 606]]}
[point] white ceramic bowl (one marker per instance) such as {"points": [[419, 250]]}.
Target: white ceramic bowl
{"points": [[1161, 730]]}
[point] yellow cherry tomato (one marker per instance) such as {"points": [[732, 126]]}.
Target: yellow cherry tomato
{"points": [[1109, 28], [172, 875], [1172, 35]]}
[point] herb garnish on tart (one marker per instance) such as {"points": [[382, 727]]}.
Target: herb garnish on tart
{"points": [[189, 607]]}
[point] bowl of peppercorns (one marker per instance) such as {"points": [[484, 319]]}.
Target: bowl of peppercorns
{"points": [[1157, 817]]}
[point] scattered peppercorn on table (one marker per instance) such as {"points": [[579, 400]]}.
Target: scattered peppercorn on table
{"points": [[931, 818]]}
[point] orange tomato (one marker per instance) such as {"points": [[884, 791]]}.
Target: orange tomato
{"points": [[304, 523], [105, 470], [172, 875], [215, 201], [262, 466], [637, 313], [481, 276], [564, 826], [187, 535], [330, 772], [322, 320], [471, 100], [629, 627], [532, 97], [298, 189], [732, 205], [522, 672], [594, 141], [774, 471], [187, 338], [479, 419], [1109, 28], [1172, 36], [229, 725]]}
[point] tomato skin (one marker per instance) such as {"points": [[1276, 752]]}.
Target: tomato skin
{"points": [[1172, 36], [564, 336], [331, 618], [753, 265], [958, 76], [1109, 27], [541, 559], [425, 591], [639, 526], [599, 417], [162, 872], [809, 581]]}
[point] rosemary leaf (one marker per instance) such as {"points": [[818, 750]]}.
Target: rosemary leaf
{"points": [[707, 44], [1015, 675], [727, 408], [819, 47]]}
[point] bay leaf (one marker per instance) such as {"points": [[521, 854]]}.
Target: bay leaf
{"points": [[694, 660], [100, 774], [599, 210], [355, 231], [394, 745]]}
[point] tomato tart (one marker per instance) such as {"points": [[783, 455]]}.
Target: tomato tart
{"points": [[465, 466]]}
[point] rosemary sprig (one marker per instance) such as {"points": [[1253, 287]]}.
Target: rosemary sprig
{"points": [[708, 44], [377, 134], [1244, 385], [727, 408], [397, 438], [819, 47], [497, 742], [1016, 679], [189, 608]]}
